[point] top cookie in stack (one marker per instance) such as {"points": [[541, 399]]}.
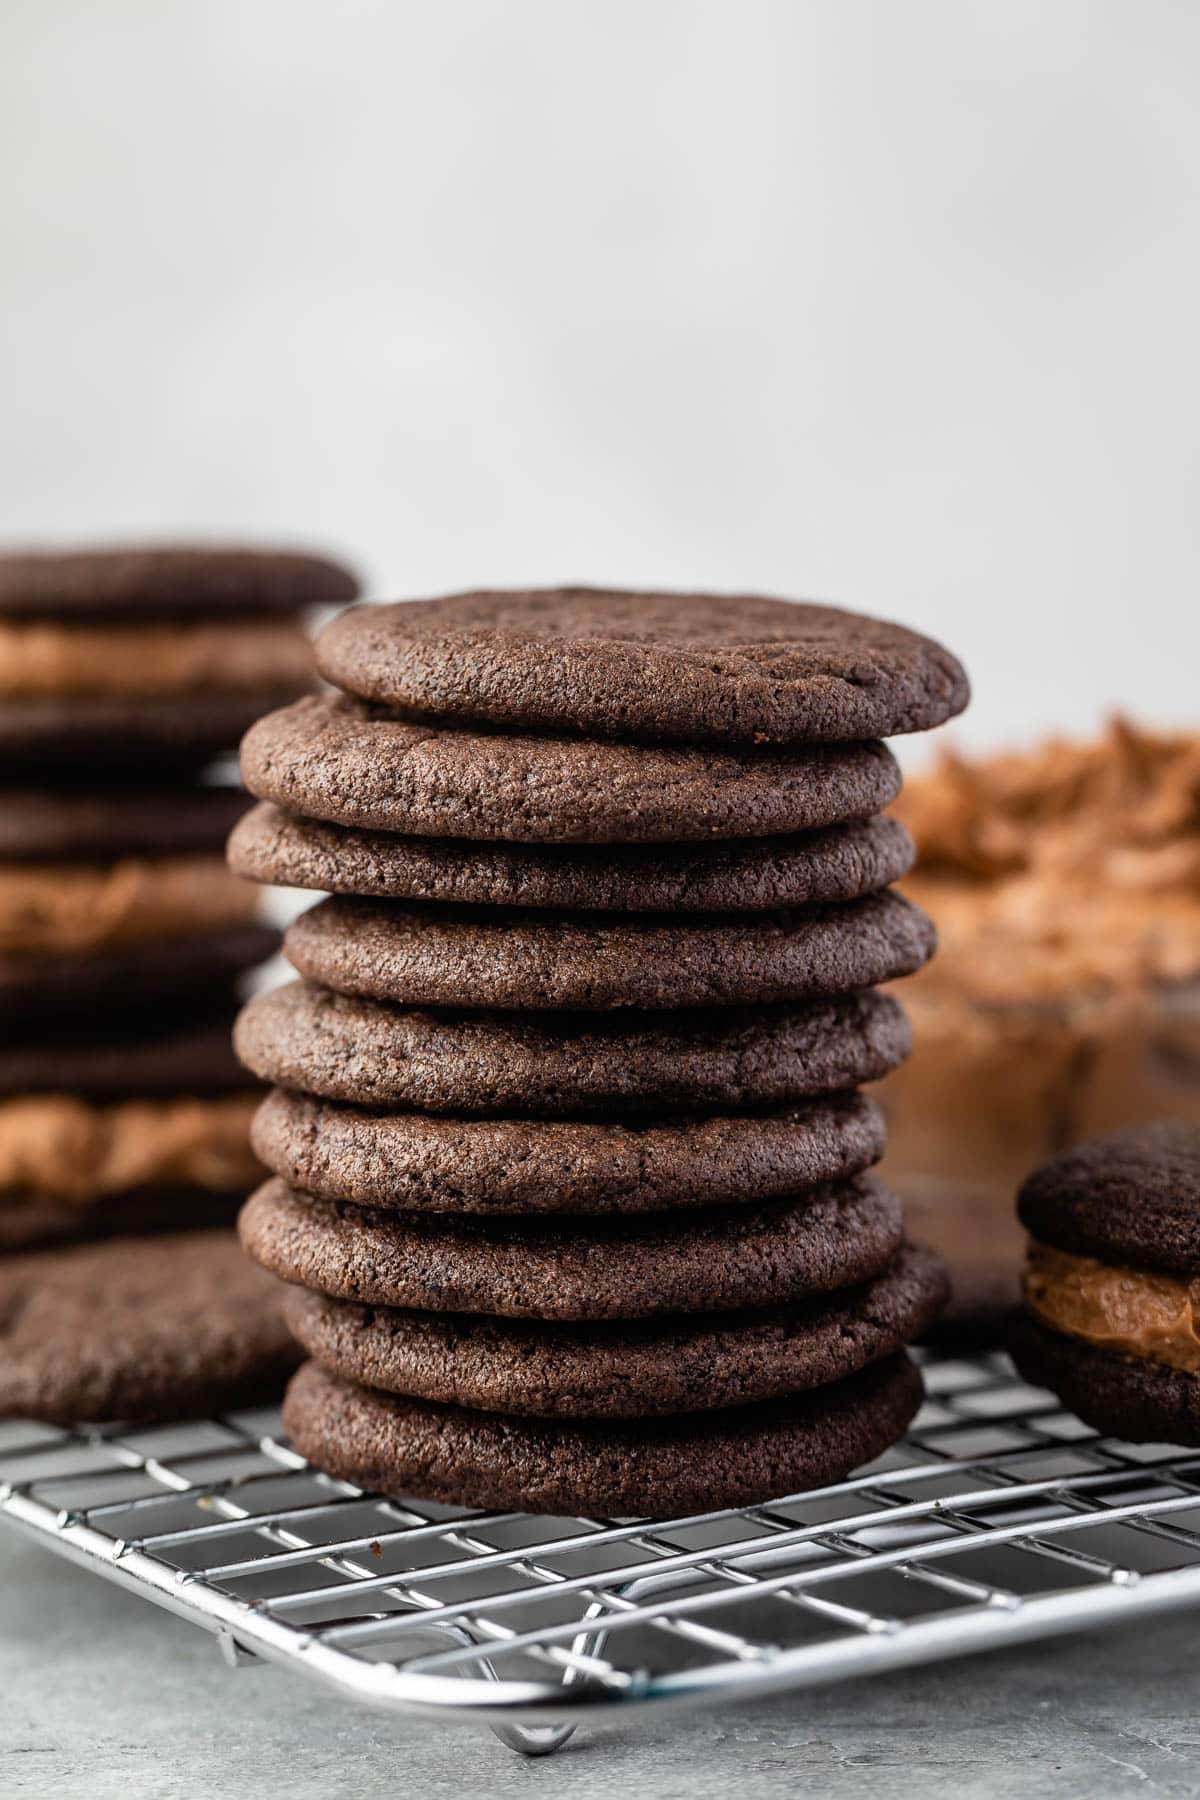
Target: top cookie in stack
{"points": [[571, 1161], [122, 931]]}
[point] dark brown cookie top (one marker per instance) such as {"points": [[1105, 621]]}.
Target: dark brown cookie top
{"points": [[838, 862], [85, 824], [719, 668], [717, 1260], [83, 984], [1130, 1197], [564, 1064], [625, 1370], [1127, 1397], [342, 761], [161, 581], [141, 1328], [89, 735], [499, 958], [415, 1162], [138, 1056], [652, 1468]]}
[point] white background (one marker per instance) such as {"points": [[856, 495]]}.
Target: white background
{"points": [[895, 304]]}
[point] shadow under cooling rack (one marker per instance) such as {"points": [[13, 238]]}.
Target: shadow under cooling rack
{"points": [[999, 1518]]}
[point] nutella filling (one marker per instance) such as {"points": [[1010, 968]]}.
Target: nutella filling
{"points": [[1130, 1311], [53, 1144], [56, 908], [53, 661]]}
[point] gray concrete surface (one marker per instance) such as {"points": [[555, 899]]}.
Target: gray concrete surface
{"points": [[102, 1695]]}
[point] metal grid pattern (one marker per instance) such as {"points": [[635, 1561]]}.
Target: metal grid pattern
{"points": [[999, 1518]]}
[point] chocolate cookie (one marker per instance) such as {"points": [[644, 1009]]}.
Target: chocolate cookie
{"points": [[145, 737], [342, 761], [839, 862], [128, 975], [633, 1268], [563, 1064], [41, 1221], [691, 1463], [622, 1371], [1121, 1396], [496, 958], [161, 1328], [416, 1163], [157, 581], [145, 1056], [67, 824], [719, 668], [1130, 1197]]}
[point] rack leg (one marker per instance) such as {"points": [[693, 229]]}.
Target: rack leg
{"points": [[533, 1740]]}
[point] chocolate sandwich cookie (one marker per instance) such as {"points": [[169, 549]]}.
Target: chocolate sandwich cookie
{"points": [[65, 824], [681, 1365], [720, 668], [30, 1221], [691, 1463], [342, 761], [187, 1051], [128, 975], [138, 738], [414, 1162], [558, 1065], [719, 1260], [1112, 1282], [839, 862], [499, 958], [161, 1328], [158, 581]]}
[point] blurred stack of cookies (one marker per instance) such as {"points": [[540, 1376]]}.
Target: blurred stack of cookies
{"points": [[571, 1158], [123, 935]]}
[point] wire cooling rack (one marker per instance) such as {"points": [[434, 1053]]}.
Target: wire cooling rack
{"points": [[1000, 1518]]}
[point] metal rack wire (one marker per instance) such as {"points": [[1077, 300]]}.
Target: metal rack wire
{"points": [[1000, 1518]]}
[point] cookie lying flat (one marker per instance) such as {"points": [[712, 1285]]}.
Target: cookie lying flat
{"points": [[566, 1065], [143, 737], [129, 975], [1111, 1285], [156, 581], [415, 1162], [691, 1463], [43, 1221], [82, 824], [630, 1370], [723, 668], [839, 862], [148, 1055], [496, 958], [341, 761], [160, 1328], [714, 1261]]}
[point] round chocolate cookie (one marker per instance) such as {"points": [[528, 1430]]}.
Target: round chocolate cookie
{"points": [[157, 581], [560, 1065], [1121, 1396], [72, 984], [65, 823], [145, 736], [31, 1221], [718, 1260], [413, 1162], [715, 668], [137, 1056], [1130, 1197], [161, 1328], [839, 862], [342, 761], [691, 1463], [496, 958], [622, 1371]]}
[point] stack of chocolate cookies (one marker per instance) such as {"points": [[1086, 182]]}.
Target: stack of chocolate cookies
{"points": [[123, 934], [571, 1158]]}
